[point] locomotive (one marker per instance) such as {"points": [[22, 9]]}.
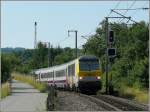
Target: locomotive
{"points": [[82, 74]]}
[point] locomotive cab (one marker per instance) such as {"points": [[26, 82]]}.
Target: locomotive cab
{"points": [[89, 74]]}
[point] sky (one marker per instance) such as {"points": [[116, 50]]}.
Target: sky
{"points": [[55, 18]]}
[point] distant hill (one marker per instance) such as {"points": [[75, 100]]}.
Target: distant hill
{"points": [[10, 49]]}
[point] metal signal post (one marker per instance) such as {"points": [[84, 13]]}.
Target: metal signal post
{"points": [[108, 46], [35, 38], [106, 34], [75, 40], [49, 54]]}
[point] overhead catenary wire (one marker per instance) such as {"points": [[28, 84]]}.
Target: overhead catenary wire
{"points": [[136, 9], [115, 7], [130, 7], [143, 7], [127, 10], [124, 16]]}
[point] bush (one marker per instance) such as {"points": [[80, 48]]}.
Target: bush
{"points": [[5, 68], [134, 94], [5, 90]]}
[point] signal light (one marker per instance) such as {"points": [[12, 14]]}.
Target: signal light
{"points": [[111, 36]]}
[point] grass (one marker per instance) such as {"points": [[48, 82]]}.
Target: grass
{"points": [[30, 80], [132, 93], [5, 90], [136, 94]]}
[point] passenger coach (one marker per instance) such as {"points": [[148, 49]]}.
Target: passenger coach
{"points": [[83, 74]]}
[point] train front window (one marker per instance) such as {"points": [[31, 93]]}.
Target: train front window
{"points": [[89, 65]]}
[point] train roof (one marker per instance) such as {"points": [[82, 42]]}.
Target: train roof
{"points": [[64, 64], [81, 58], [88, 57]]}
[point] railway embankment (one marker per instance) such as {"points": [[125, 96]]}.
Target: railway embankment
{"points": [[72, 101], [122, 103]]}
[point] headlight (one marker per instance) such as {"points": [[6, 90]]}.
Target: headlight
{"points": [[98, 77], [80, 77]]}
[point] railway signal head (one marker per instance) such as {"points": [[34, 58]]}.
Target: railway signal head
{"points": [[111, 52], [111, 36]]}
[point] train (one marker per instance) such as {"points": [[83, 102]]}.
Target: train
{"points": [[82, 74]]}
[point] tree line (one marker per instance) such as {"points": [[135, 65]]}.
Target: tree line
{"points": [[25, 61]]}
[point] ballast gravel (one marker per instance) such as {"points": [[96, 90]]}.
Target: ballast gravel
{"points": [[69, 101]]}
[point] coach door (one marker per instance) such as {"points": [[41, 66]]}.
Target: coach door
{"points": [[71, 74]]}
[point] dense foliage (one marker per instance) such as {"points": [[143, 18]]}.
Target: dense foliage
{"points": [[8, 63], [130, 66]]}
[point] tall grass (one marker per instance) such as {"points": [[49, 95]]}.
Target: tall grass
{"points": [[30, 80], [136, 94], [5, 90]]}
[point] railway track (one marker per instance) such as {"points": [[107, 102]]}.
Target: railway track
{"points": [[101, 103], [122, 104], [111, 103]]}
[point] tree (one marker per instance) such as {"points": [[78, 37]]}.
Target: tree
{"points": [[40, 56], [5, 69]]}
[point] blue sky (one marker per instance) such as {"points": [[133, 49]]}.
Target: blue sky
{"points": [[54, 19]]}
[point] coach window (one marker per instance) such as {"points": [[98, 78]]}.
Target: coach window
{"points": [[50, 74], [41, 76]]}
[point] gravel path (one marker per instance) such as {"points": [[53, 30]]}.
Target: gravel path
{"points": [[68, 101], [24, 98]]}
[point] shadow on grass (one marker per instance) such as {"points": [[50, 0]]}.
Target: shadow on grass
{"points": [[127, 96]]}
